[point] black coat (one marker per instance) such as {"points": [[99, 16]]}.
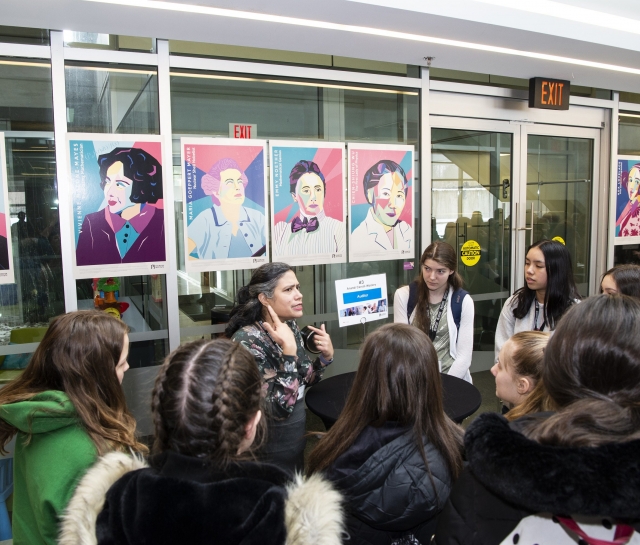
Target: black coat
{"points": [[387, 488], [514, 489], [181, 499]]}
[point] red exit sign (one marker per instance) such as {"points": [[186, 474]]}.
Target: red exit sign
{"points": [[549, 94], [238, 130]]}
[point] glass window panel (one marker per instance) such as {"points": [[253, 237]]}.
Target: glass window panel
{"points": [[629, 134], [205, 104], [90, 40], [20, 35], [26, 102], [112, 100], [37, 296], [627, 254]]}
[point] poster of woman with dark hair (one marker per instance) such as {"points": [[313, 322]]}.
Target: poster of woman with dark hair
{"points": [[118, 212], [224, 204], [628, 200], [6, 255], [381, 219], [307, 180]]}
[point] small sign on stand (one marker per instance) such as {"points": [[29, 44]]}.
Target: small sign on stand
{"points": [[362, 299]]}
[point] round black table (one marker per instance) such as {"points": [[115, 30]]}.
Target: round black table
{"points": [[327, 398]]}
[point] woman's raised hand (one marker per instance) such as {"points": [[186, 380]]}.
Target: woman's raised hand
{"points": [[323, 341], [281, 333]]}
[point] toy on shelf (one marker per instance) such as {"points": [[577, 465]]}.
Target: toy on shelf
{"points": [[106, 298]]}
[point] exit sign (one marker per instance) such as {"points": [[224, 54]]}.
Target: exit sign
{"points": [[549, 94], [239, 130]]}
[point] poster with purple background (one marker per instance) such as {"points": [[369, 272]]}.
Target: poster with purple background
{"points": [[381, 203], [117, 192], [6, 254], [224, 203], [627, 228], [307, 199]]}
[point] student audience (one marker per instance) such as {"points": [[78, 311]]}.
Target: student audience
{"points": [[622, 280], [393, 452], [202, 485], [436, 303], [518, 374], [548, 293], [569, 477], [66, 409], [264, 322]]}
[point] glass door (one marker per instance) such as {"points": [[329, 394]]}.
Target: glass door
{"points": [[557, 196], [497, 187]]}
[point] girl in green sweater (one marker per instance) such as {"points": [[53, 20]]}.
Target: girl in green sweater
{"points": [[66, 409]]}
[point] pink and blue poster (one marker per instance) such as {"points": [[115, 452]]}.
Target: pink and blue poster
{"points": [[6, 255], [381, 202], [307, 194], [627, 228], [224, 203], [118, 217]]}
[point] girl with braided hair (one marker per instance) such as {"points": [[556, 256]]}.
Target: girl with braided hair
{"points": [[264, 322], [202, 485], [566, 477]]}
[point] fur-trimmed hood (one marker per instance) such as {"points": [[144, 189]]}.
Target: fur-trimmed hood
{"points": [[602, 480], [182, 501]]}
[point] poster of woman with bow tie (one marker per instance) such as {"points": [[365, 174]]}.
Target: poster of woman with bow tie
{"points": [[308, 202], [224, 200]]}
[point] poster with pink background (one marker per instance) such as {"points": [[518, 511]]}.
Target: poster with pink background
{"points": [[308, 202], [6, 254], [381, 202], [224, 203]]}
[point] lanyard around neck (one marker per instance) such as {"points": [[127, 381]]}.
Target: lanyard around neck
{"points": [[535, 319], [433, 328]]}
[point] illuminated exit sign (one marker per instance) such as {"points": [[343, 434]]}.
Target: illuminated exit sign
{"points": [[237, 130], [549, 94]]}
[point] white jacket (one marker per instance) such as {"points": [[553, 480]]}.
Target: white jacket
{"points": [[460, 341]]}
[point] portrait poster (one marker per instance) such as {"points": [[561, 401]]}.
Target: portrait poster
{"points": [[6, 253], [381, 202], [362, 299], [224, 203], [627, 200], [117, 185], [308, 202]]}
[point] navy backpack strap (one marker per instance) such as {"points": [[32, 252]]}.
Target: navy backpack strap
{"points": [[413, 300], [456, 305]]}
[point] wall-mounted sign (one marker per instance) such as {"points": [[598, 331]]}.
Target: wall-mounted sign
{"points": [[239, 130], [549, 94]]}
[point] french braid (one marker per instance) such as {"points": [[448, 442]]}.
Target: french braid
{"points": [[205, 394]]}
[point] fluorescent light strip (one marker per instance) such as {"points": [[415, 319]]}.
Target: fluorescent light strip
{"points": [[107, 69], [309, 23], [629, 115], [287, 82], [576, 14], [23, 63]]}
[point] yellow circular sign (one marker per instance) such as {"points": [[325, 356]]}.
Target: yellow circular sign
{"points": [[560, 240], [470, 253]]}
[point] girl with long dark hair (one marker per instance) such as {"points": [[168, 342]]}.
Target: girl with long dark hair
{"points": [[621, 280], [393, 452], [264, 322], [203, 485], [548, 292], [436, 304], [572, 476], [66, 409]]}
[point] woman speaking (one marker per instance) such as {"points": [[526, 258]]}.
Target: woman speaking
{"points": [[264, 322]]}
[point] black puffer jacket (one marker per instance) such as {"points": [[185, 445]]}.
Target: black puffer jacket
{"points": [[516, 490], [387, 488]]}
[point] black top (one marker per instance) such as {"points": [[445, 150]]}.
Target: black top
{"points": [[327, 399]]}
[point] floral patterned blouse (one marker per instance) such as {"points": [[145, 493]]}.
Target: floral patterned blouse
{"points": [[282, 375]]}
